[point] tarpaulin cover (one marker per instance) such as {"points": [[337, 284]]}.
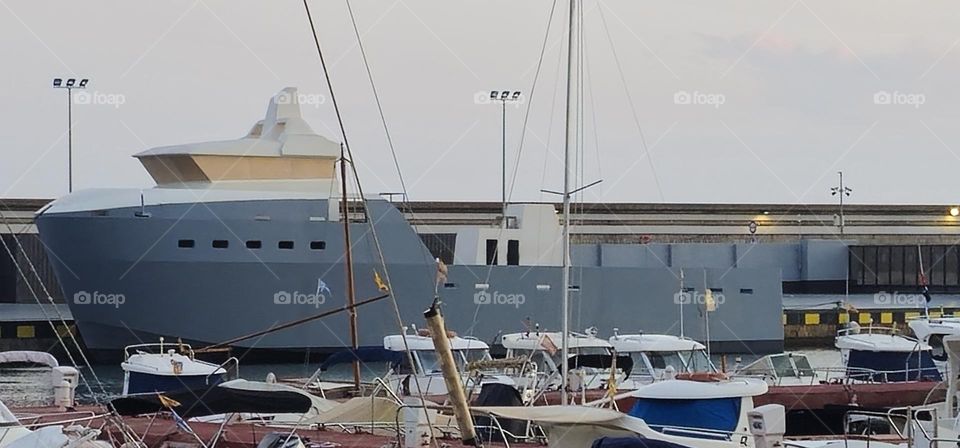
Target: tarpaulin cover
{"points": [[632, 442], [719, 414], [892, 366], [216, 400], [624, 362], [497, 394], [364, 355]]}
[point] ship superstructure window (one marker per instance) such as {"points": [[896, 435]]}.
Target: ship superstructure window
{"points": [[440, 245], [185, 244], [491, 252], [254, 244], [746, 290], [220, 244], [888, 267], [285, 245], [513, 252], [318, 245]]}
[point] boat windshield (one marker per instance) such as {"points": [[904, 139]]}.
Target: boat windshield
{"points": [[475, 354], [430, 362], [782, 366], [660, 360], [697, 361]]}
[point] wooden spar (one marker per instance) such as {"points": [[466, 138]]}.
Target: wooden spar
{"points": [[348, 258], [291, 324], [458, 398]]}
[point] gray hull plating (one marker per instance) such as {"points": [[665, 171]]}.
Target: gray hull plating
{"points": [[126, 278]]}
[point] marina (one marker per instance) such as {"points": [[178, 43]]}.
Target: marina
{"points": [[258, 293]]}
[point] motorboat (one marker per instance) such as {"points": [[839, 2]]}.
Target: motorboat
{"points": [[660, 356], [882, 354], [591, 360], [32, 378], [161, 367]]}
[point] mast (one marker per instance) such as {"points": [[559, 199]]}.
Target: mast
{"points": [[348, 258], [570, 140]]}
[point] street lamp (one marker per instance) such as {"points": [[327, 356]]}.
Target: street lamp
{"points": [[841, 191], [504, 96], [70, 85]]}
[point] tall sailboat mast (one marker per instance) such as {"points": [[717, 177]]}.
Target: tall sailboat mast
{"points": [[571, 139], [348, 259]]}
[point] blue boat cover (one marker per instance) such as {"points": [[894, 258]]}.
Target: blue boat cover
{"points": [[632, 442], [718, 414], [898, 366], [364, 355]]}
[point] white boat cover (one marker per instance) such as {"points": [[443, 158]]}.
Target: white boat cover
{"points": [[28, 356], [6, 417]]}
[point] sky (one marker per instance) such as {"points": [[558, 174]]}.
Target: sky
{"points": [[684, 101]]}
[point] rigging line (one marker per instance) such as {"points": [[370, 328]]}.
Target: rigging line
{"points": [[533, 87], [46, 292], [553, 108], [633, 108], [376, 97], [353, 167]]}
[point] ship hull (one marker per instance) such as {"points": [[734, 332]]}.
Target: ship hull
{"points": [[127, 280]]}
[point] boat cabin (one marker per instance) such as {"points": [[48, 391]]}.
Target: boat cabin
{"points": [[781, 369], [660, 356], [881, 354]]}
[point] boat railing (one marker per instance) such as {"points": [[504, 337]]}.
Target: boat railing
{"points": [[843, 375], [850, 331], [225, 366], [39, 420], [157, 347], [905, 423]]}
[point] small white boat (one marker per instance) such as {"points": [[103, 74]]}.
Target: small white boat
{"points": [[14, 435], [784, 369], [659, 357], [160, 367], [881, 354], [542, 349]]}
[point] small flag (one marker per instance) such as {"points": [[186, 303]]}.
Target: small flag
{"points": [[168, 402], [708, 301], [548, 345], [181, 423], [379, 281], [322, 286]]}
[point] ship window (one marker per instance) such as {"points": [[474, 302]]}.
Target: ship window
{"points": [[285, 245], [746, 290], [185, 243], [254, 244], [318, 245], [513, 252], [220, 244], [491, 252]]}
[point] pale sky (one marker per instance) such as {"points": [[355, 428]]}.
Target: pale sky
{"points": [[799, 83]]}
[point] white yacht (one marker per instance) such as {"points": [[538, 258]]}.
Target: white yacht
{"points": [[881, 354], [660, 356], [590, 359]]}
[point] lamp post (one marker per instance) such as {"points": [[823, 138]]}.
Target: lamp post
{"points": [[70, 84], [504, 97], [841, 191]]}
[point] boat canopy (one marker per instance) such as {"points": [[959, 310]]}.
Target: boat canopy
{"points": [[653, 343], [892, 366], [879, 342], [28, 357], [695, 390], [550, 341], [230, 397], [416, 342]]}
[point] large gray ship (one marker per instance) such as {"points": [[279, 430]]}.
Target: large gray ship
{"points": [[242, 235]]}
